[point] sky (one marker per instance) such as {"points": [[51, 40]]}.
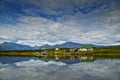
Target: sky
{"points": [[39, 22]]}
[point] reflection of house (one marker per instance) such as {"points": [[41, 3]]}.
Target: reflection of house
{"points": [[86, 48], [56, 57], [37, 53], [86, 59]]}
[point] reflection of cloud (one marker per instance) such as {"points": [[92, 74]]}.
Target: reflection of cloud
{"points": [[40, 70], [34, 63]]}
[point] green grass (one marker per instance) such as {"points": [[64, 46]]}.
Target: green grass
{"points": [[97, 52]]}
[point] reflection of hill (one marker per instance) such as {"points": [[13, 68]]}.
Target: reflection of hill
{"points": [[70, 58]]}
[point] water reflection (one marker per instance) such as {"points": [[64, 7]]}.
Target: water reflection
{"points": [[56, 70], [69, 59], [13, 59], [66, 59]]}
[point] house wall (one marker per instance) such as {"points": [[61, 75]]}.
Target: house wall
{"points": [[84, 49]]}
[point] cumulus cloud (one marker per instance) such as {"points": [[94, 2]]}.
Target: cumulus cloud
{"points": [[61, 8], [52, 70], [39, 31], [55, 22]]}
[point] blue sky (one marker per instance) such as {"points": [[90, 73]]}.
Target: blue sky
{"points": [[39, 22]]}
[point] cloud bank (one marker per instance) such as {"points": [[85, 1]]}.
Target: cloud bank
{"points": [[52, 22]]}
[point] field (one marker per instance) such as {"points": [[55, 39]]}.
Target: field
{"points": [[101, 52]]}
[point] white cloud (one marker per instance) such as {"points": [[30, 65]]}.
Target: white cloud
{"points": [[100, 26], [38, 31]]}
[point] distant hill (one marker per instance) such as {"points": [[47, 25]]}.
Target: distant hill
{"points": [[113, 46], [66, 45], [15, 46]]}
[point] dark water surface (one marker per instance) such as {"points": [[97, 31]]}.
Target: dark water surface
{"points": [[80, 68]]}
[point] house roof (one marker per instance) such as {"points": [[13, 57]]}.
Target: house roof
{"points": [[86, 47]]}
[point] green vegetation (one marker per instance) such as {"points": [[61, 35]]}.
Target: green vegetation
{"points": [[64, 52], [109, 51]]}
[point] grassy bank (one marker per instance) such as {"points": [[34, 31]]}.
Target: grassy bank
{"points": [[97, 52]]}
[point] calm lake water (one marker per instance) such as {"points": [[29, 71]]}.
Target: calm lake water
{"points": [[80, 68]]}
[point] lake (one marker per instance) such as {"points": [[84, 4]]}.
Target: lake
{"points": [[69, 68]]}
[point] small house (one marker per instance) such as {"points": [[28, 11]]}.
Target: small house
{"points": [[86, 48], [43, 52], [73, 50], [56, 49]]}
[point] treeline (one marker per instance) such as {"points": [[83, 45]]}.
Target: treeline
{"points": [[98, 51], [21, 50]]}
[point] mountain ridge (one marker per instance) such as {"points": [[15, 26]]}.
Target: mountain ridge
{"points": [[15, 46], [66, 45]]}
